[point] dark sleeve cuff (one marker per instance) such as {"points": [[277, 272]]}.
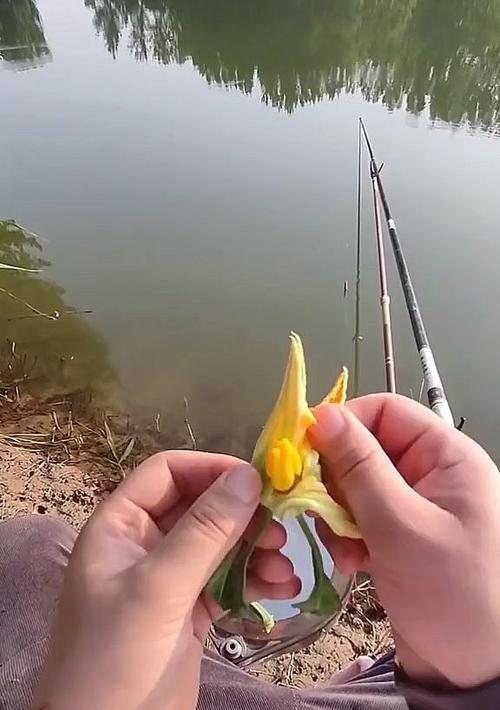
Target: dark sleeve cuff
{"points": [[419, 697]]}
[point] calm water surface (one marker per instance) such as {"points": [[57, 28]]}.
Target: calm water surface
{"points": [[190, 168]]}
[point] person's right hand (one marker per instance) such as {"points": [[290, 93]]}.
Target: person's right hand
{"points": [[426, 499]]}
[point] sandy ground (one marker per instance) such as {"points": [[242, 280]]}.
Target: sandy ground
{"points": [[63, 465]]}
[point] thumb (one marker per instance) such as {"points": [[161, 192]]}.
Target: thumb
{"points": [[357, 470], [197, 544]]}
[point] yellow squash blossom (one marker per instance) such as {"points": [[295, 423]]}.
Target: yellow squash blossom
{"points": [[291, 474], [285, 458]]}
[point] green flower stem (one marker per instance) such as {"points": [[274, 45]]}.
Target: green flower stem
{"points": [[228, 584], [324, 599], [317, 558]]}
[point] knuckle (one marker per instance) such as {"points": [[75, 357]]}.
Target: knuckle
{"points": [[355, 462], [210, 522], [448, 458]]}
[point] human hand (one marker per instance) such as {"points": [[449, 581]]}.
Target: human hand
{"points": [[133, 618], [426, 499]]}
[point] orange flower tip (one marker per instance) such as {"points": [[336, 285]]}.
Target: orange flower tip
{"points": [[338, 393], [308, 419]]}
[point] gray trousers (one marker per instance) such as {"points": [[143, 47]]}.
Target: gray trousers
{"points": [[34, 551]]}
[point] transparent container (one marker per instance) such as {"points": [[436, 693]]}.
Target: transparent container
{"points": [[245, 642]]}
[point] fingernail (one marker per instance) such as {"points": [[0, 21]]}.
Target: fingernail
{"points": [[244, 483], [330, 422]]}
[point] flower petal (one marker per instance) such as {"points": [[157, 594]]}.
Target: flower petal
{"points": [[291, 416], [336, 517], [311, 494], [338, 393]]}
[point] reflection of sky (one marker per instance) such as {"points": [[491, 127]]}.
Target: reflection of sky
{"points": [[298, 550]]}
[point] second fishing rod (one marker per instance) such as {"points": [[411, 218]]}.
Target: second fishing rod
{"points": [[433, 384]]}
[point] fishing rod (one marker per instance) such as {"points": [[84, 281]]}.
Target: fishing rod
{"points": [[357, 317], [433, 384], [385, 299]]}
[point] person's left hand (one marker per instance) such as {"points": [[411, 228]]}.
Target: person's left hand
{"points": [[133, 617]]}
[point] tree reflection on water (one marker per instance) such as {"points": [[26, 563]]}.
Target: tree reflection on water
{"points": [[68, 351], [22, 38], [416, 54]]}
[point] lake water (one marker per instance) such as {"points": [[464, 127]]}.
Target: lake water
{"points": [[190, 169]]}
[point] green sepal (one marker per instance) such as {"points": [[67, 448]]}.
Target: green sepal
{"points": [[264, 616], [324, 599], [228, 583]]}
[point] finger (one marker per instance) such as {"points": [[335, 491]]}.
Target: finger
{"points": [[424, 443], [378, 497], [171, 516], [259, 589], [163, 479], [191, 552], [271, 566], [272, 538], [349, 556], [195, 471]]}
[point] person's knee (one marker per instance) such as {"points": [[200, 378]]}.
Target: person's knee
{"points": [[34, 551], [34, 538]]}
